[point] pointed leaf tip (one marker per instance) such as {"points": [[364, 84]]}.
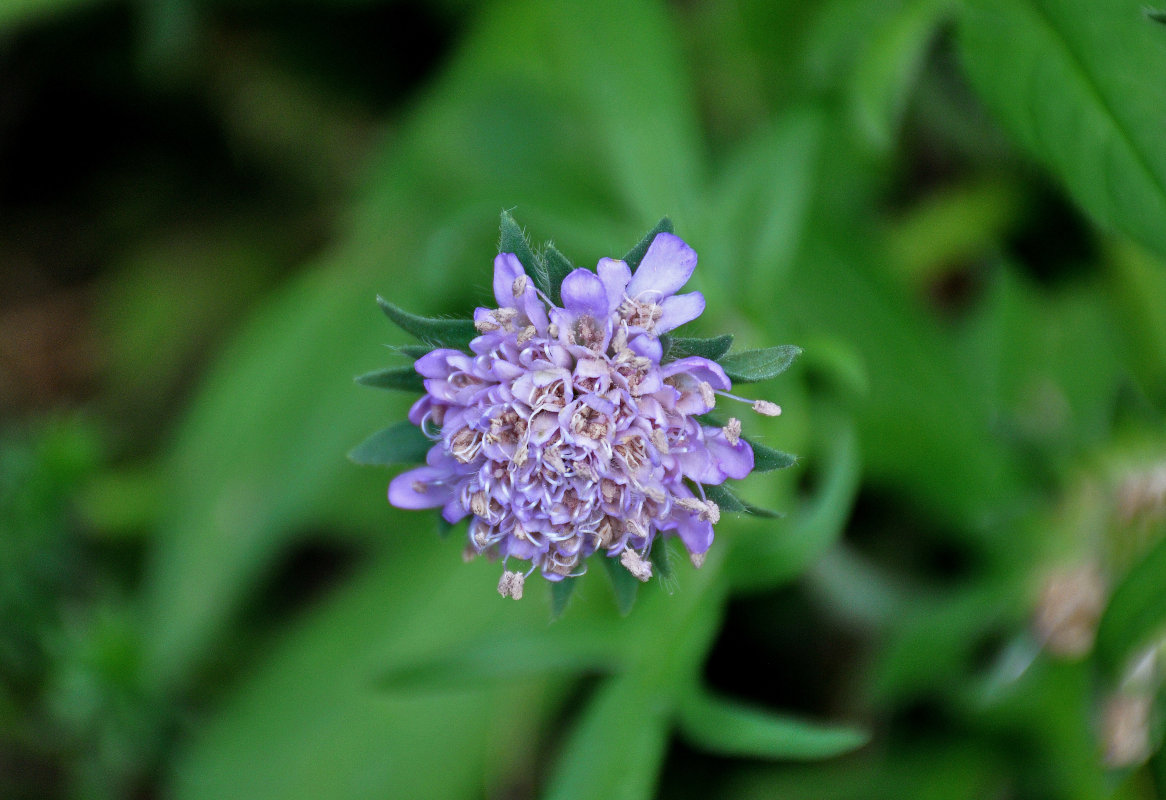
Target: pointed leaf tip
{"points": [[636, 254], [712, 349], [405, 379], [512, 239], [752, 366], [558, 267], [455, 333], [561, 595], [402, 443]]}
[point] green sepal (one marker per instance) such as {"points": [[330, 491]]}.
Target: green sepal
{"points": [[405, 379], [712, 349], [1156, 15], [752, 366], [561, 592], [511, 239], [444, 526], [625, 584], [728, 502], [661, 557], [636, 254], [413, 351], [455, 333], [403, 443], [766, 459], [558, 267]]}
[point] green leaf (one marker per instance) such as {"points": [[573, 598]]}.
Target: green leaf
{"points": [[661, 558], [1156, 16], [623, 583], [558, 267], [413, 351], [1049, 70], [1136, 612], [511, 239], [752, 366], [766, 459], [731, 728], [895, 51], [728, 502], [403, 443], [405, 379], [636, 254], [711, 349], [455, 333], [561, 595]]}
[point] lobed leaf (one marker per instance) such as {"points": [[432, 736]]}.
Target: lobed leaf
{"points": [[511, 239], [752, 366], [405, 379], [402, 443], [732, 728], [636, 254], [711, 349], [455, 333]]}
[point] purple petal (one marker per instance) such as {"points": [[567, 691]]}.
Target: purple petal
{"points": [[699, 368], [614, 275], [734, 460], [647, 346], [507, 268], [697, 534], [678, 310], [440, 363], [666, 267], [417, 489], [584, 293]]}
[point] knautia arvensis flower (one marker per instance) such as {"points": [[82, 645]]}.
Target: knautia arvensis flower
{"points": [[565, 428]]}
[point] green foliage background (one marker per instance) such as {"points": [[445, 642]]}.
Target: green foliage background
{"points": [[956, 207]]}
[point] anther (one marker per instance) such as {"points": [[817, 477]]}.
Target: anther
{"points": [[485, 325], [527, 334], [767, 408], [697, 559], [733, 431], [510, 585], [706, 394], [636, 564], [519, 286]]}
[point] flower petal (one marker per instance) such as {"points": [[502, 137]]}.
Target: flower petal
{"points": [[734, 460], [614, 275], [666, 267], [678, 310], [418, 488], [697, 534], [584, 293], [507, 268]]}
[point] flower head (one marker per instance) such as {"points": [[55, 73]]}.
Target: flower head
{"points": [[563, 432]]}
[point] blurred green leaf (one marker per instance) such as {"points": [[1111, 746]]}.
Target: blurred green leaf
{"points": [[711, 349], [752, 366], [661, 558], [561, 595], [893, 57], [1048, 70], [512, 239], [1136, 612], [634, 256], [401, 443], [455, 333], [625, 585], [732, 728], [404, 379]]}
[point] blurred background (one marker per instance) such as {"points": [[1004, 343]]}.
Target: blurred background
{"points": [[958, 210]]}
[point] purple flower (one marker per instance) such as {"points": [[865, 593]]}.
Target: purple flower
{"points": [[563, 434]]}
